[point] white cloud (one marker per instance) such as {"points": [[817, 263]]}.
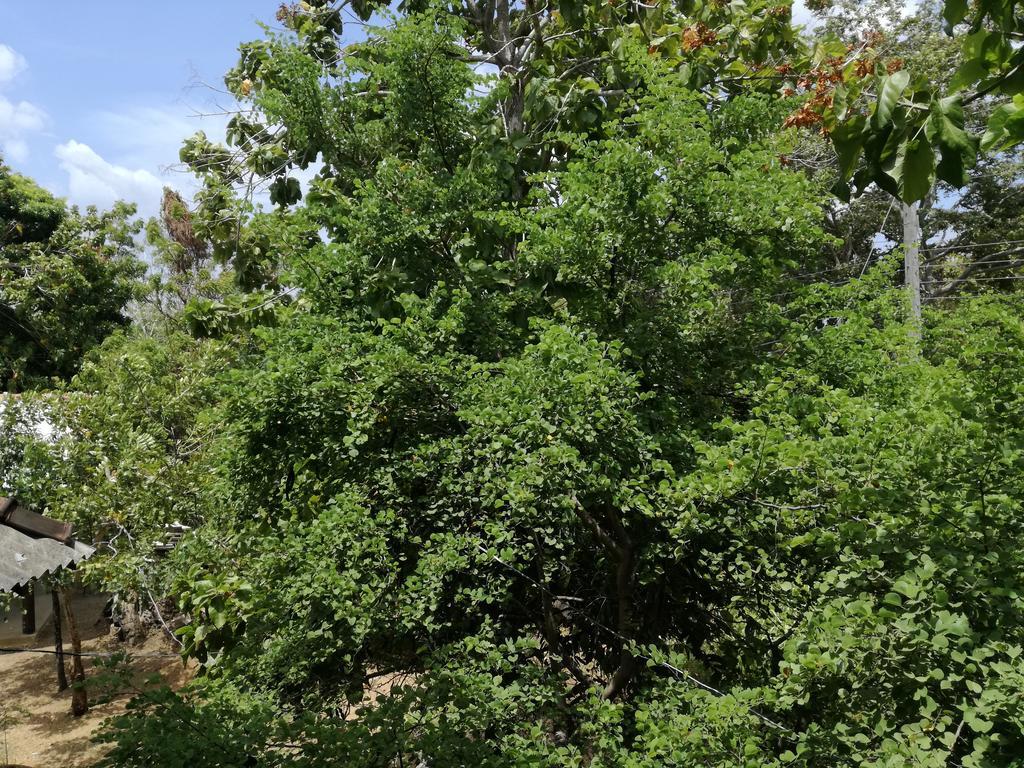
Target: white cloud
{"points": [[148, 139], [152, 136], [18, 119], [801, 15], [139, 157], [95, 181], [15, 150], [12, 64]]}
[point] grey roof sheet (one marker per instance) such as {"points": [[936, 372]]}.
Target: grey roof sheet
{"points": [[23, 558]]}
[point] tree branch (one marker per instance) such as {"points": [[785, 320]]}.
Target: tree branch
{"points": [[984, 264]]}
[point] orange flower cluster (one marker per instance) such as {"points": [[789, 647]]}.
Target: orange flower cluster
{"points": [[864, 68], [830, 73], [894, 66], [805, 117], [873, 38], [697, 36], [821, 83]]}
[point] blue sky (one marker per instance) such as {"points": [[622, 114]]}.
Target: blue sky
{"points": [[97, 95]]}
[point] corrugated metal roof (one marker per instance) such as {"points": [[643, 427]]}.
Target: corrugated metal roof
{"points": [[23, 558]]}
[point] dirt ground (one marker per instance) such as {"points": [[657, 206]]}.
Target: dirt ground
{"points": [[40, 729]]}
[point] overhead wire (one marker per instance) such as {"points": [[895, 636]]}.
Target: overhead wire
{"points": [[962, 296], [994, 262], [976, 279], [969, 246]]}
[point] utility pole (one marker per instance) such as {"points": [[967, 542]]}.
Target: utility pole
{"points": [[912, 261]]}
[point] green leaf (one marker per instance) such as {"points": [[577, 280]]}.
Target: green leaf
{"points": [[841, 189], [970, 72], [1006, 126], [840, 102], [889, 94], [948, 119], [958, 148], [916, 169], [571, 10], [954, 11], [848, 140], [285, 191], [952, 168], [996, 129]]}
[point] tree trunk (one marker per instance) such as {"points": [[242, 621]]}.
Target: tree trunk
{"points": [[58, 641], [79, 696], [624, 574]]}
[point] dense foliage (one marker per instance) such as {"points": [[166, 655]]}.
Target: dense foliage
{"points": [[901, 128], [533, 431], [971, 234], [65, 280]]}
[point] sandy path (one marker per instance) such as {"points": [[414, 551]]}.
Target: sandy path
{"points": [[44, 732]]}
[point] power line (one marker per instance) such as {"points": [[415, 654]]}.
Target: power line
{"points": [[980, 262], [996, 296], [977, 279], [843, 268], [969, 246], [831, 284]]}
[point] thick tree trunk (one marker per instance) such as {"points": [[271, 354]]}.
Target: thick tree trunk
{"points": [[79, 696], [624, 575]]}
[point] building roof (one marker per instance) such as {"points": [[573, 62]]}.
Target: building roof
{"points": [[32, 545]]}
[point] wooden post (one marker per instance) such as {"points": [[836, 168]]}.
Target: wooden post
{"points": [[27, 594], [58, 641], [79, 696]]}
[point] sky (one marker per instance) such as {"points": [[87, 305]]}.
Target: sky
{"points": [[96, 96]]}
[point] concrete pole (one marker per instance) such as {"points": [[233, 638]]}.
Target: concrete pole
{"points": [[912, 260]]}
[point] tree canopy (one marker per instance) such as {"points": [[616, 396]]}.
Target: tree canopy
{"points": [[527, 424], [65, 280]]}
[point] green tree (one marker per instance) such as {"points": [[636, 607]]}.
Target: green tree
{"points": [[537, 449], [898, 128], [553, 68], [957, 223], [65, 280]]}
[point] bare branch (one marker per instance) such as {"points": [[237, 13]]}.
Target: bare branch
{"points": [[991, 263]]}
